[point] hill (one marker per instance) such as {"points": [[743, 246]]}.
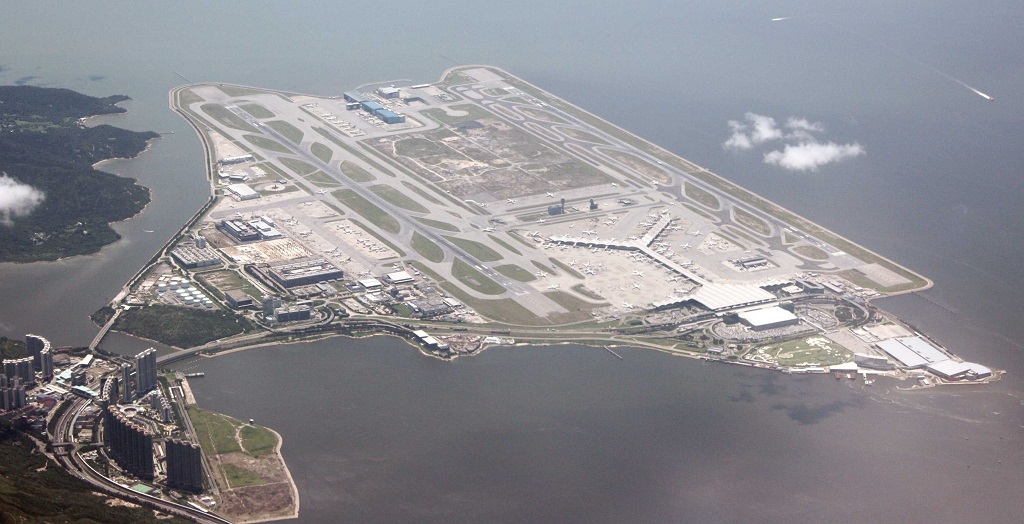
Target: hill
{"points": [[53, 204]]}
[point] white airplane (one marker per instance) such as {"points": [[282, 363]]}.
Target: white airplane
{"points": [[321, 191], [638, 273], [572, 262], [488, 229], [572, 226], [551, 195], [553, 286], [686, 245], [696, 233], [673, 279], [541, 221], [589, 271], [627, 305], [541, 274], [636, 286], [511, 201], [615, 184], [590, 232]]}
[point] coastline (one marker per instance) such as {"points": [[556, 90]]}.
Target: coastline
{"points": [[291, 482]]}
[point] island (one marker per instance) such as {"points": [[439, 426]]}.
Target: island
{"points": [[471, 212], [56, 204]]}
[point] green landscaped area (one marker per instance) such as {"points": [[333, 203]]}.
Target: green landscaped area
{"points": [[356, 173], [225, 280], [426, 196], [474, 279], [467, 113], [515, 272], [751, 222], [477, 250], [579, 134], [568, 270], [437, 224], [256, 110], [504, 244], [811, 252], [701, 196], [226, 117], [257, 441], [239, 90], [216, 432], [289, 131], [426, 248], [397, 198], [239, 477], [299, 167], [321, 151], [368, 210], [269, 144], [321, 179], [803, 352]]}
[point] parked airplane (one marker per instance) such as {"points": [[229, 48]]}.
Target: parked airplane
{"points": [[638, 273], [541, 274], [511, 201], [696, 233], [686, 245], [627, 305], [488, 229], [553, 286], [551, 195], [636, 286], [321, 191]]}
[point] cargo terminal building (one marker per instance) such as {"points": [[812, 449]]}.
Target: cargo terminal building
{"points": [[305, 273]]}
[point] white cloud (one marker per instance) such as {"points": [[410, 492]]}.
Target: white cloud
{"points": [[757, 130], [803, 124], [802, 151], [811, 155], [17, 199]]}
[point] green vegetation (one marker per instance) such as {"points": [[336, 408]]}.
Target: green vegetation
{"points": [[187, 97], [476, 280], [256, 110], [504, 244], [426, 196], [477, 250], [397, 198], [426, 248], [417, 147], [579, 134], [289, 131], [257, 441], [573, 303], [35, 490], [182, 327], [239, 477], [368, 210], [810, 351], [751, 222], [321, 151], [862, 280], [472, 112], [437, 224], [216, 432], [356, 173], [811, 252], [239, 91], [568, 270], [515, 272], [226, 117], [269, 144], [299, 167], [10, 348], [43, 147], [320, 179], [223, 280], [701, 196]]}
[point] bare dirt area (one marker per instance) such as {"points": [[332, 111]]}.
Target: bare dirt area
{"points": [[257, 503]]}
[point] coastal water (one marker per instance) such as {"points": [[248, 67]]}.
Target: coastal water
{"points": [[376, 433]]}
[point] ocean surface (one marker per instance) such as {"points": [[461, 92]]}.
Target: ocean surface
{"points": [[376, 433]]}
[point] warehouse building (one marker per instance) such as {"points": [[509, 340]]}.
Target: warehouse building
{"points": [[390, 117], [242, 192], [305, 273], [768, 318], [192, 257]]}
